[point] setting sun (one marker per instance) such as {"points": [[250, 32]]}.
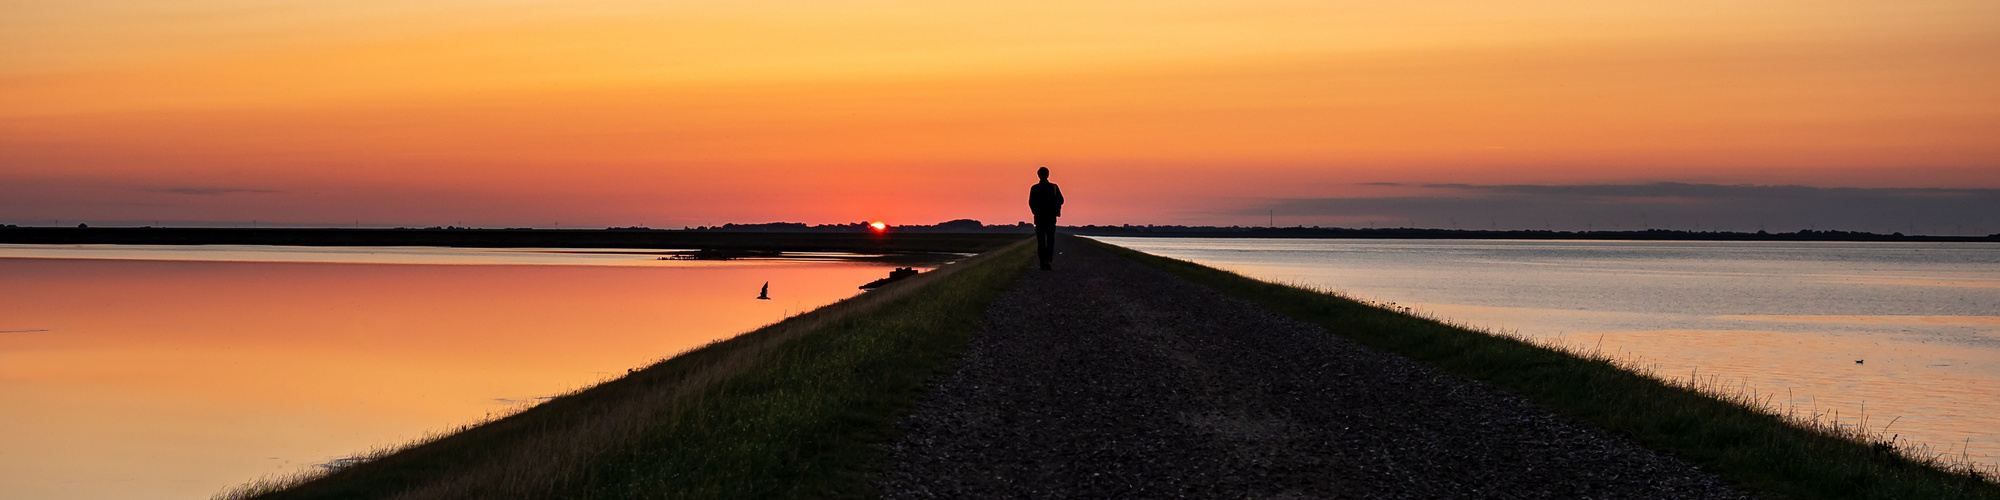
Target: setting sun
{"points": [[878, 226]]}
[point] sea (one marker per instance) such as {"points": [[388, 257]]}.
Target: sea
{"points": [[1901, 339]]}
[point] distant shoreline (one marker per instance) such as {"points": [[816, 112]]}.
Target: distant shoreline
{"points": [[901, 239], [1481, 234], [708, 240]]}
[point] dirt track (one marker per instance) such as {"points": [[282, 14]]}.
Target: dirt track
{"points": [[1106, 378]]}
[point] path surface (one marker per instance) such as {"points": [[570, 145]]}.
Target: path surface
{"points": [[1105, 378]]}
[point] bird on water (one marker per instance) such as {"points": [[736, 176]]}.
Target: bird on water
{"points": [[765, 294]]}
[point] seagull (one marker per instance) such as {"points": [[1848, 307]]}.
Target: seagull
{"points": [[1858, 361], [765, 294]]}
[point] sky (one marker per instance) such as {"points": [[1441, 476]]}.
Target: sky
{"points": [[1728, 114]]}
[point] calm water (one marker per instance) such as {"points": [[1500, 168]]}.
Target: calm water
{"points": [[176, 372], [1784, 319]]}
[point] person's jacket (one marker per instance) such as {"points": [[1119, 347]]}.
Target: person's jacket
{"points": [[1045, 199]]}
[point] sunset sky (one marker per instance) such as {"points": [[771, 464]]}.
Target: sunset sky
{"points": [[1733, 114]]}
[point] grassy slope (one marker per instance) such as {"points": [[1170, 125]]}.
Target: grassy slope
{"points": [[790, 410], [1747, 446]]}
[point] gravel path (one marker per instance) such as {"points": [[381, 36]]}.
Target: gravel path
{"points": [[1105, 378]]}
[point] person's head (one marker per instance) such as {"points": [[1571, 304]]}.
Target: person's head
{"points": [[1043, 172]]}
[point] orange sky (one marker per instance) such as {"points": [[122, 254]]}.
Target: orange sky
{"points": [[625, 112]]}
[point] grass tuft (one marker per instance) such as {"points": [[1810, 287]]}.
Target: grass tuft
{"points": [[1730, 430]]}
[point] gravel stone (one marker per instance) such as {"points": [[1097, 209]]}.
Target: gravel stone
{"points": [[1108, 379]]}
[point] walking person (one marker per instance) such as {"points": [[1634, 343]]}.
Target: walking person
{"points": [[1046, 200]]}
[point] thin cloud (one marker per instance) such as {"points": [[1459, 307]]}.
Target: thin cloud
{"points": [[214, 191], [1665, 205], [1715, 191]]}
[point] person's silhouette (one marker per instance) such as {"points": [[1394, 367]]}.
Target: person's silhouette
{"points": [[1046, 200]]}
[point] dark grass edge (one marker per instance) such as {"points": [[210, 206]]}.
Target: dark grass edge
{"points": [[809, 421], [716, 392], [1746, 445]]}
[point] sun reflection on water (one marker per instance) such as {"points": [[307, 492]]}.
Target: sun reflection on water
{"points": [[143, 378]]}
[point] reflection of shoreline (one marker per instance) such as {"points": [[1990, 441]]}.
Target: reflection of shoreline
{"points": [[895, 240], [453, 256], [932, 258]]}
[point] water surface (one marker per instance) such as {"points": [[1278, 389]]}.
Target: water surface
{"points": [[174, 372], [1905, 334]]}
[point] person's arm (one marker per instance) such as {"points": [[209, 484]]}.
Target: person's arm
{"points": [[1057, 191]]}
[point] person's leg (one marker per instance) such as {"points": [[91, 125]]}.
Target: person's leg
{"points": [[1045, 243]]}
